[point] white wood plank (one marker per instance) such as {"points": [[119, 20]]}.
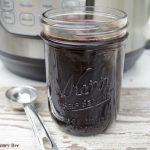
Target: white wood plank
{"points": [[131, 131]]}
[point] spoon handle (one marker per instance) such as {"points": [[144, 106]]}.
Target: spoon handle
{"points": [[43, 138]]}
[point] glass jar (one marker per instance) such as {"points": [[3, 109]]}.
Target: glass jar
{"points": [[84, 53]]}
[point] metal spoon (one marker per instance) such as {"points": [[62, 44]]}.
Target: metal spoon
{"points": [[24, 97]]}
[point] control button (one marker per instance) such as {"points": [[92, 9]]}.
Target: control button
{"points": [[26, 3], [8, 17], [47, 4], [27, 19], [70, 3], [7, 4]]}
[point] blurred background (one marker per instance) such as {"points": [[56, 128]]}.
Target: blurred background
{"points": [[22, 50]]}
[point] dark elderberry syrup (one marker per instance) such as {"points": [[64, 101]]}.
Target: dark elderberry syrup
{"points": [[83, 82], [84, 65]]}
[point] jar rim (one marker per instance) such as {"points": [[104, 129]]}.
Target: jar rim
{"points": [[85, 22], [49, 15]]}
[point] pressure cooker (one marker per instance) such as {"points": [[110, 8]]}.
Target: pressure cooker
{"points": [[21, 48]]}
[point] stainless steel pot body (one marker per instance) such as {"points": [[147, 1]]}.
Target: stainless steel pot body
{"points": [[137, 11], [20, 28], [21, 24]]}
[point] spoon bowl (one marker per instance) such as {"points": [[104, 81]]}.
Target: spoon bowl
{"points": [[17, 96]]}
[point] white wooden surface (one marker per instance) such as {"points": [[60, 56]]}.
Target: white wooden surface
{"points": [[130, 132]]}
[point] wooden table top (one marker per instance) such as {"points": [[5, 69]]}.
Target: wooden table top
{"points": [[131, 131]]}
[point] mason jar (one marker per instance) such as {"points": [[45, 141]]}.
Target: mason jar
{"points": [[84, 55]]}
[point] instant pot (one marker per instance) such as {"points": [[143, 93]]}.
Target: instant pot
{"points": [[21, 48]]}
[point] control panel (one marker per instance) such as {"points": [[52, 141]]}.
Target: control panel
{"points": [[23, 16]]}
